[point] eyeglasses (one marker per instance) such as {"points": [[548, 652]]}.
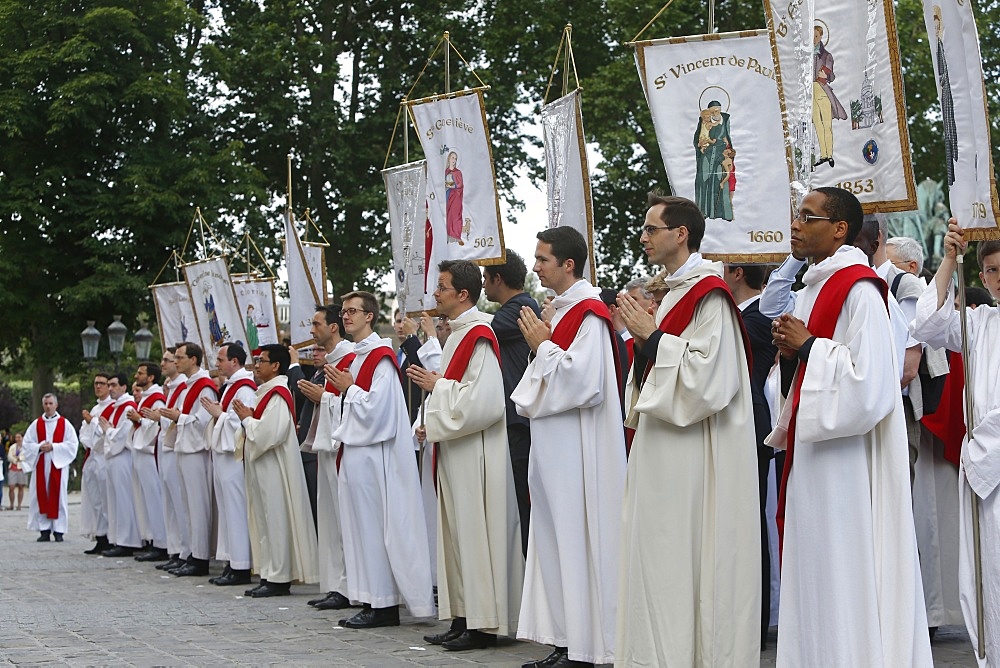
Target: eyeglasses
{"points": [[649, 230], [803, 217], [351, 311], [443, 288], [99, 382], [260, 360]]}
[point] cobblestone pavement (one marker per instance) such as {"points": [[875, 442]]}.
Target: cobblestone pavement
{"points": [[61, 607]]}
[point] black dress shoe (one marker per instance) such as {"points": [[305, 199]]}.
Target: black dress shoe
{"points": [[44, 537], [272, 589], [174, 562], [233, 577], [225, 572], [335, 601], [321, 598], [557, 654], [195, 567], [566, 662], [174, 565], [471, 639], [456, 630], [97, 549], [119, 551], [154, 554], [371, 618], [249, 592], [59, 536]]}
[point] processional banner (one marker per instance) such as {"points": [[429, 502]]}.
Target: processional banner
{"points": [[406, 190], [215, 309], [860, 137], [174, 314], [958, 72], [306, 281], [256, 299], [714, 102], [461, 182], [567, 173]]}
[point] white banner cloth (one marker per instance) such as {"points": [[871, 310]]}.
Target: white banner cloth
{"points": [[567, 173], [215, 309], [174, 313], [257, 303], [406, 193]]}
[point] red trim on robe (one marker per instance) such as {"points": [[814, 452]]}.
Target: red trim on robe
{"points": [[367, 373], [229, 393], [47, 491], [194, 391], [948, 421]]}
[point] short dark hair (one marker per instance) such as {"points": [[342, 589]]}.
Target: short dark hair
{"points": [[609, 297], [843, 205], [235, 351], [512, 272], [369, 302], [171, 349], [680, 212], [567, 244], [102, 374], [332, 314], [464, 276], [193, 350], [278, 353], [753, 274], [153, 371], [987, 247], [976, 296], [121, 378]]}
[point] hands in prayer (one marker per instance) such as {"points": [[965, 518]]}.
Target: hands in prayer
{"points": [[422, 377], [87, 417], [45, 447], [639, 321], [311, 390], [133, 415], [105, 424], [172, 414], [339, 379], [151, 414], [789, 333], [242, 410], [214, 408], [535, 330]]}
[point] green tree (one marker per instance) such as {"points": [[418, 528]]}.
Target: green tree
{"points": [[106, 148]]}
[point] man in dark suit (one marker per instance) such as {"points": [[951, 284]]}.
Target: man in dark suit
{"points": [[746, 282], [325, 323]]}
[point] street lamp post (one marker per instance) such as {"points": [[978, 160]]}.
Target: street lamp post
{"points": [[143, 341], [91, 338], [116, 338]]}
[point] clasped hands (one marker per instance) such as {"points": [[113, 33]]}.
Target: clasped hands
{"points": [[789, 334]]}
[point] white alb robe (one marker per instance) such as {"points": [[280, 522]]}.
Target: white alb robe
{"points": [[282, 538], [62, 455], [332, 569], [480, 565], [385, 539], [93, 486], [174, 510], [123, 526], [147, 489], [690, 582], [576, 473], [229, 479], [979, 473], [850, 582], [194, 465]]}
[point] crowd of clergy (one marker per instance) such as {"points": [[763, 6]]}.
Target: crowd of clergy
{"points": [[593, 474]]}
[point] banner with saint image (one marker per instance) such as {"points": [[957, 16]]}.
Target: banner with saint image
{"points": [[406, 192], [259, 307], [714, 102], [860, 137], [461, 181], [216, 311], [174, 314], [567, 173], [958, 73]]}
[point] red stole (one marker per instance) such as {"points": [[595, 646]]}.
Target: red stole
{"points": [[175, 393], [48, 491], [456, 369], [194, 391], [948, 421], [679, 317], [367, 373], [120, 410], [281, 390], [106, 413], [822, 322], [564, 333], [229, 393]]}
